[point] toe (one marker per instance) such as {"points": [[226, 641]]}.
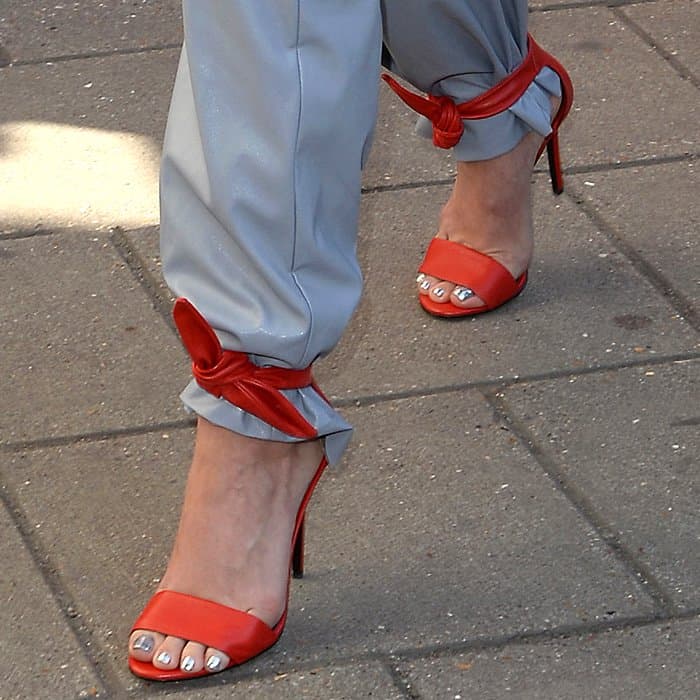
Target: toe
{"points": [[142, 644], [192, 657], [465, 298], [167, 655], [425, 283], [216, 660], [441, 292]]}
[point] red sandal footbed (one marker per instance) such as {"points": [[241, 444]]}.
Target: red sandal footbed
{"points": [[466, 267]]}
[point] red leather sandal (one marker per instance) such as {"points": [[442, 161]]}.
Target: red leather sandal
{"points": [[231, 375], [455, 262]]}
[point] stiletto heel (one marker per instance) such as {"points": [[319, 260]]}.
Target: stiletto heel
{"points": [[555, 164], [457, 263], [240, 635], [298, 555]]}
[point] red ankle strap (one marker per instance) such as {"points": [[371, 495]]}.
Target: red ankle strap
{"points": [[231, 375], [446, 116]]}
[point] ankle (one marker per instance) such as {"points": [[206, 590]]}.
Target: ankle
{"points": [[250, 451]]}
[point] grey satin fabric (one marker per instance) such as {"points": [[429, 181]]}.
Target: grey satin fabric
{"points": [[271, 118]]}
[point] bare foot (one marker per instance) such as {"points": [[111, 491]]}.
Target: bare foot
{"points": [[489, 210], [233, 542]]}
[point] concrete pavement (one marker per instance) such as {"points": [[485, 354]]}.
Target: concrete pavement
{"points": [[517, 515]]}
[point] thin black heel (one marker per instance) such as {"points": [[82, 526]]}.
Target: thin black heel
{"points": [[555, 163], [298, 553]]}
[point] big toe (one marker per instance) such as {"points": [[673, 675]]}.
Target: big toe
{"points": [[143, 643]]}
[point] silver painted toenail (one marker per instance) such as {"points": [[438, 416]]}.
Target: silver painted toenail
{"points": [[463, 293], [187, 664], [214, 663], [439, 292], [143, 643], [164, 658], [425, 284], [420, 278]]}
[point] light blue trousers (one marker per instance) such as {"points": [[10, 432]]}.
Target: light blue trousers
{"points": [[271, 120]]}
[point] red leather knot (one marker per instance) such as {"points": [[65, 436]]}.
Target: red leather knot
{"points": [[447, 123], [440, 110], [232, 376]]}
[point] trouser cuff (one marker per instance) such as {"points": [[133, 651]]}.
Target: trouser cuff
{"points": [[484, 139], [332, 429]]}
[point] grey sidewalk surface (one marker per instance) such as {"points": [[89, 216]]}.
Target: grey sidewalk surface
{"points": [[517, 515]]}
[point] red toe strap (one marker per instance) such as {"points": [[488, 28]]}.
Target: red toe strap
{"points": [[447, 117], [239, 635], [231, 375], [461, 265]]}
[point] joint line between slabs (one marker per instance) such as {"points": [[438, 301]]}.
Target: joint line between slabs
{"points": [[399, 186], [650, 161], [582, 5], [23, 234], [584, 169], [678, 66], [139, 269], [62, 58], [542, 636], [89, 645], [508, 382], [98, 436], [400, 681], [641, 573], [676, 299]]}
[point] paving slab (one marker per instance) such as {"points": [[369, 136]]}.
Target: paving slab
{"points": [[83, 349], [667, 240], [336, 683], [673, 26], [393, 345], [33, 30], [127, 93], [412, 543], [453, 533], [645, 663], [616, 116], [41, 657], [629, 441], [126, 494], [86, 134]]}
